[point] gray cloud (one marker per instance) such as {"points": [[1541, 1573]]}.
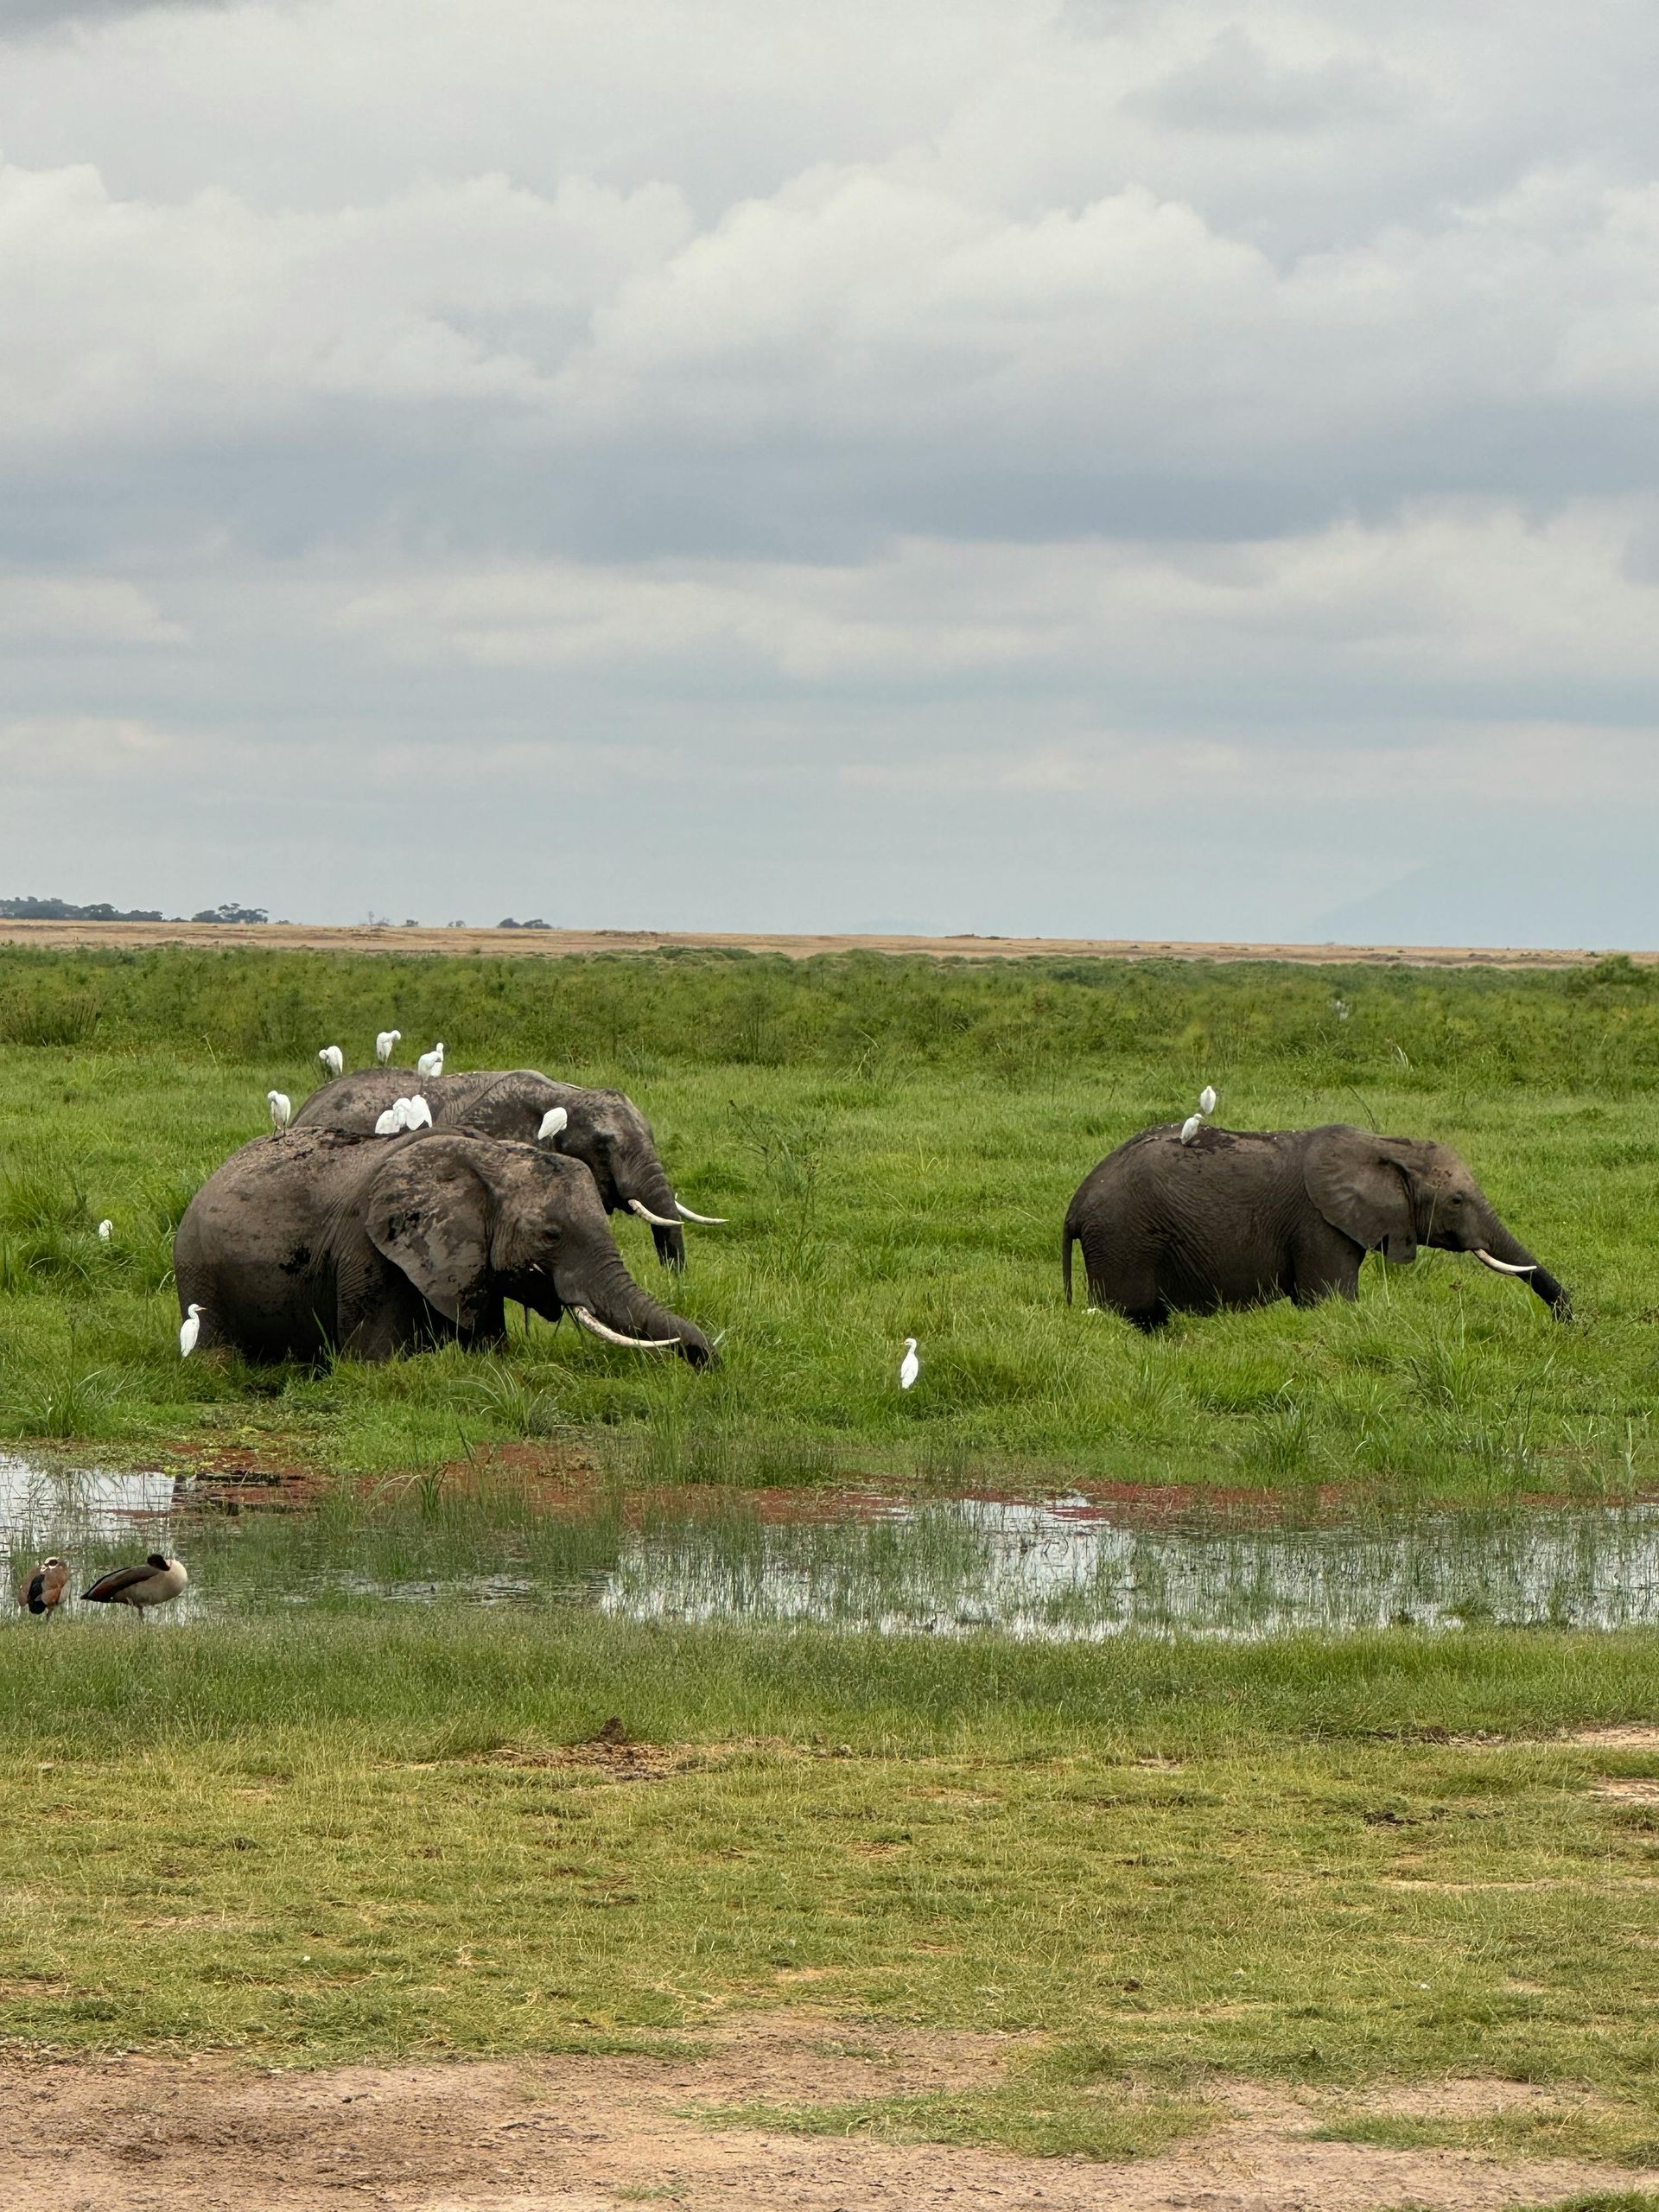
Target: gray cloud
{"points": [[26, 16], [1090, 471]]}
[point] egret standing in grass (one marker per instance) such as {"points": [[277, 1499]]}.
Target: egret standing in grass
{"points": [[431, 1062], [385, 1042], [43, 1592], [189, 1330], [1190, 1129], [156, 1583], [282, 1110], [106, 1231], [1207, 1099], [333, 1058], [909, 1367]]}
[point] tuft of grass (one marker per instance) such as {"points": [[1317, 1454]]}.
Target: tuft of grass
{"points": [[1036, 2119]]}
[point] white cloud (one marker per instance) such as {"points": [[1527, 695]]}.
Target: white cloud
{"points": [[47, 610], [1070, 413]]}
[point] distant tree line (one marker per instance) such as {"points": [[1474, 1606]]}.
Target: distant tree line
{"points": [[64, 910]]}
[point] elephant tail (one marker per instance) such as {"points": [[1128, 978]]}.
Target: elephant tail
{"points": [[1067, 1236]]}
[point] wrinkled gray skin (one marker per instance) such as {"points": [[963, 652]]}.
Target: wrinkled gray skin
{"points": [[605, 1131], [1241, 1217], [316, 1241]]}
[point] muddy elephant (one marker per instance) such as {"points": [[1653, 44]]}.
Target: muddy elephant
{"points": [[316, 1241], [1239, 1217], [603, 1128]]}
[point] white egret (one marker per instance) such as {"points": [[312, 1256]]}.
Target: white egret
{"points": [[333, 1058], [282, 1110], [553, 1120], [1190, 1129], [189, 1330], [418, 1114], [909, 1367], [43, 1592], [157, 1581], [106, 1231], [385, 1043], [388, 1123], [431, 1062], [1207, 1099]]}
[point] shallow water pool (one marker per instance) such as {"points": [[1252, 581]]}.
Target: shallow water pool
{"points": [[1063, 1566]]}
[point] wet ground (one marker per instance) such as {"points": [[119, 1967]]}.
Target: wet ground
{"points": [[1063, 1567]]}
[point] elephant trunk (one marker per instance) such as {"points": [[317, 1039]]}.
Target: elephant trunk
{"points": [[643, 1181], [1507, 1255], [612, 1297]]}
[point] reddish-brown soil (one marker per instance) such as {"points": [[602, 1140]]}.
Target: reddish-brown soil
{"points": [[588, 2134], [557, 944]]}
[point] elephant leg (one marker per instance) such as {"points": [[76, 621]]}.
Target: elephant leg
{"points": [[1323, 1264], [1129, 1286], [377, 1313]]}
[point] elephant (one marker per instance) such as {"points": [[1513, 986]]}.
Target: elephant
{"points": [[317, 1240], [603, 1128], [1235, 1217]]}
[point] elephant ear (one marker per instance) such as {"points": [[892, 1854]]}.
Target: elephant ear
{"points": [[429, 1213], [1362, 1187]]}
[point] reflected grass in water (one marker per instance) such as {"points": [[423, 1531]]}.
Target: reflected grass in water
{"points": [[1064, 1568]]}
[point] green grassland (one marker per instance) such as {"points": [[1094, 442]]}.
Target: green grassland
{"points": [[325, 1833], [894, 1143], [1163, 1865]]}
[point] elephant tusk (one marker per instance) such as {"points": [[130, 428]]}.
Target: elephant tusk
{"points": [[614, 1336], [703, 1220], [656, 1220], [1504, 1267]]}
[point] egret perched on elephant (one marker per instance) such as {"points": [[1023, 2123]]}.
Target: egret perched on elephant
{"points": [[603, 1129]]}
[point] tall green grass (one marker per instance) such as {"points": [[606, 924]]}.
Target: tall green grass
{"points": [[894, 1143]]}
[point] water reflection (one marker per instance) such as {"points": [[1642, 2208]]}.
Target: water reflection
{"points": [[1066, 1567]]}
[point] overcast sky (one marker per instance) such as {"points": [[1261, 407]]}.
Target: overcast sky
{"points": [[1109, 467]]}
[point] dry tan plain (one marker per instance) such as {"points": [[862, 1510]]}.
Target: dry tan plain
{"points": [[557, 945]]}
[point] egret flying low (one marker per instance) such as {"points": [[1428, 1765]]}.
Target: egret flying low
{"points": [[385, 1043], [106, 1231], [189, 1330], [157, 1581], [431, 1062], [333, 1058], [553, 1120], [282, 1110], [1207, 1099], [43, 1592], [1190, 1129], [909, 1367]]}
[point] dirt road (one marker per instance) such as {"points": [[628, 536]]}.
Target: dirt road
{"points": [[555, 945], [590, 2134]]}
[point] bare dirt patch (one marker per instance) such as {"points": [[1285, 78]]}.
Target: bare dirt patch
{"points": [[1628, 1790], [554, 944], [580, 2134]]}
